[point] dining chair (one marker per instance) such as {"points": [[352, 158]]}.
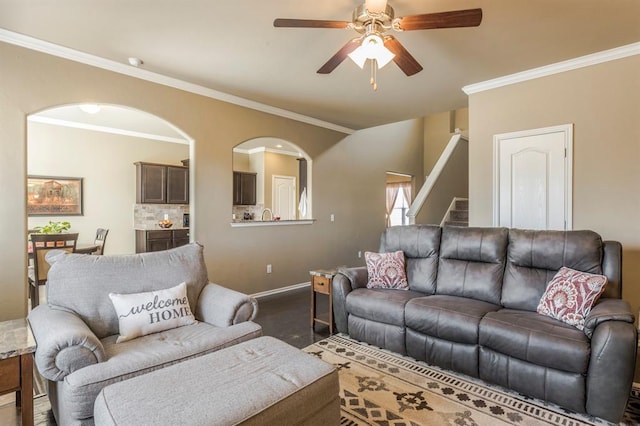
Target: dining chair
{"points": [[42, 244], [100, 240]]}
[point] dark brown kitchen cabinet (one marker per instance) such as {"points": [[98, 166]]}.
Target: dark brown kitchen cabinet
{"points": [[177, 185], [180, 237], [244, 188], [158, 240], [162, 184]]}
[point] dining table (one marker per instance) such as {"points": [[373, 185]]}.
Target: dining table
{"points": [[86, 248], [81, 248]]}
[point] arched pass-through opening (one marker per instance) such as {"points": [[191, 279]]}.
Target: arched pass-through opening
{"points": [[99, 144], [272, 183]]}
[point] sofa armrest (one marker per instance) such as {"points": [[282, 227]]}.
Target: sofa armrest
{"points": [[64, 342], [344, 281], [223, 307], [607, 310], [357, 277], [611, 369]]}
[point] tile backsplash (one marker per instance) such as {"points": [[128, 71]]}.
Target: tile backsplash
{"points": [[255, 211], [147, 216]]}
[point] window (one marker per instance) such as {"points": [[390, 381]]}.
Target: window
{"points": [[398, 215], [398, 198]]}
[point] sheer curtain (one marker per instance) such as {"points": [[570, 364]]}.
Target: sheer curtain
{"points": [[392, 195], [406, 190]]}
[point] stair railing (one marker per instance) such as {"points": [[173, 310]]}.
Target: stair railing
{"points": [[431, 180]]}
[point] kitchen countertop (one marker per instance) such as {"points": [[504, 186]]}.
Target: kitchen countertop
{"points": [[157, 228], [239, 223]]}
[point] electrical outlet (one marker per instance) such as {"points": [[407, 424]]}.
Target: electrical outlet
{"points": [[359, 254], [268, 268], [332, 217]]}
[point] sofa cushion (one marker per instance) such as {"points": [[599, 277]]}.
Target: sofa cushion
{"points": [[570, 296], [381, 305], [534, 257], [472, 263], [140, 314], [386, 270], [451, 318], [81, 283], [421, 246], [537, 339]]}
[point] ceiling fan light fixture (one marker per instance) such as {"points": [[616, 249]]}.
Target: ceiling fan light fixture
{"points": [[384, 56], [372, 47], [358, 56]]}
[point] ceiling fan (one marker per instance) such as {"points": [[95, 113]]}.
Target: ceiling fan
{"points": [[372, 20]]}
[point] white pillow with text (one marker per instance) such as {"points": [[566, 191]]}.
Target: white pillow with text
{"points": [[140, 314]]}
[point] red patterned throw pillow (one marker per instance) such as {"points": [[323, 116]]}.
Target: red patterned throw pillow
{"points": [[386, 270], [570, 296]]}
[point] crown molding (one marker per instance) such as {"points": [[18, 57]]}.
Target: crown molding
{"points": [[120, 68], [558, 67]]}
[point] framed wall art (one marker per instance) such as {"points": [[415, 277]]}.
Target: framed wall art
{"points": [[54, 196]]}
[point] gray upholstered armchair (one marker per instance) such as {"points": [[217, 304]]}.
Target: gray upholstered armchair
{"points": [[76, 330]]}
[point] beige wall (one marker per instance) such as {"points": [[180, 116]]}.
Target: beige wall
{"points": [[437, 133], [241, 162], [105, 162], [348, 174], [603, 103]]}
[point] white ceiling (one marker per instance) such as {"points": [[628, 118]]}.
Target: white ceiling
{"points": [[112, 119], [232, 47]]}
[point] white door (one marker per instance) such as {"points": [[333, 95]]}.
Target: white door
{"points": [[533, 178], [284, 197]]}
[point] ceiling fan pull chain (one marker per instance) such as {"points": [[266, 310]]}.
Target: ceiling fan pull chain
{"points": [[374, 67]]}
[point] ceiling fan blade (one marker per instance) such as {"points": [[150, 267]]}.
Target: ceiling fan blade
{"points": [[340, 56], [308, 23], [403, 58], [452, 19]]}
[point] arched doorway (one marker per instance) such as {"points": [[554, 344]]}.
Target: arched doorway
{"points": [[282, 173], [100, 144]]}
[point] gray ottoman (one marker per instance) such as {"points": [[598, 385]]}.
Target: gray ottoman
{"points": [[262, 381]]}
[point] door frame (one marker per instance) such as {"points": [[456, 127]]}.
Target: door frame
{"points": [[567, 131]]}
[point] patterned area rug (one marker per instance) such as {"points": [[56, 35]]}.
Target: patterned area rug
{"points": [[378, 387]]}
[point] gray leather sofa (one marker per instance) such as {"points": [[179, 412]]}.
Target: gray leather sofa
{"points": [[471, 308], [76, 330]]}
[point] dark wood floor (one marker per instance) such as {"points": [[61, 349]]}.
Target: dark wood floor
{"points": [[286, 316]]}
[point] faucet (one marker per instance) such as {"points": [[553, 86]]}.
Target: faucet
{"points": [[270, 214]]}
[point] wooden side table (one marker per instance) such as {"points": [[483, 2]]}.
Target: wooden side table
{"points": [[321, 280], [16, 364]]}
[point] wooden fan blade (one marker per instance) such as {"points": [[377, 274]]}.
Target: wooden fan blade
{"points": [[403, 58], [340, 56], [452, 19], [309, 23]]}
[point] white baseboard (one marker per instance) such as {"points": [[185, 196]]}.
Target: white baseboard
{"points": [[280, 290]]}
